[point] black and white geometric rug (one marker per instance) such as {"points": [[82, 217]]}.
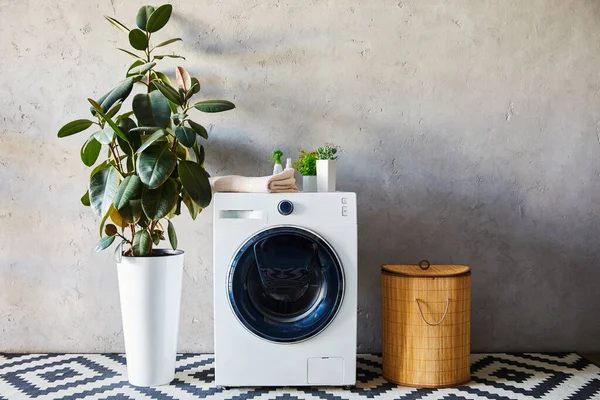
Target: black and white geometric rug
{"points": [[103, 376]]}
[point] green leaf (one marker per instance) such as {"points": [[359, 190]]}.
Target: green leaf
{"points": [[195, 86], [120, 92], [155, 165], [131, 54], [123, 117], [151, 139], [172, 235], [127, 125], [105, 136], [85, 199], [74, 127], [143, 221], [162, 77], [191, 90], [161, 56], [138, 39], [199, 129], [152, 109], [142, 16], [182, 153], [192, 207], [169, 92], [115, 109], [141, 69], [166, 42], [116, 23], [199, 154], [214, 106], [156, 237], [195, 180], [108, 120], [131, 211], [110, 230], [157, 203], [145, 129], [185, 135], [104, 243], [130, 188], [103, 188], [159, 18], [90, 151], [119, 251], [142, 243]]}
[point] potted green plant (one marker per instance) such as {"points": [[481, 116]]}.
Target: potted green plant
{"points": [[307, 166], [153, 166], [326, 167]]}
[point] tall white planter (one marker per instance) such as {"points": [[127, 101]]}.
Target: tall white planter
{"points": [[309, 183], [326, 175], [150, 291]]}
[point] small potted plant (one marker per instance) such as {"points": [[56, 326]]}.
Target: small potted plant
{"points": [[307, 166], [153, 166], [326, 167]]}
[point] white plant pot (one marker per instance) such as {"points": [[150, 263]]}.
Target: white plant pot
{"points": [[326, 175], [309, 183], [150, 292]]}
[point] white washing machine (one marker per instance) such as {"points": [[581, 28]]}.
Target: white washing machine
{"points": [[285, 289]]}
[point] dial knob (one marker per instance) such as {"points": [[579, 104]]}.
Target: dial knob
{"points": [[285, 207]]}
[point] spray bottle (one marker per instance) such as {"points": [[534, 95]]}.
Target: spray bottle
{"points": [[276, 155]]}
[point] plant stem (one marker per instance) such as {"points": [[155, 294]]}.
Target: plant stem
{"points": [[148, 52], [132, 227], [124, 238], [117, 161]]}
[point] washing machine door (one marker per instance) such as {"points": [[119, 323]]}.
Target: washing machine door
{"points": [[285, 284]]}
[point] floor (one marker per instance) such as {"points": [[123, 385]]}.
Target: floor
{"points": [[565, 376]]}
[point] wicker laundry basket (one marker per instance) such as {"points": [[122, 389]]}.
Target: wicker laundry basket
{"points": [[426, 324]]}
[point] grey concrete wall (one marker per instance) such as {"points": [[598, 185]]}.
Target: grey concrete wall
{"points": [[470, 131]]}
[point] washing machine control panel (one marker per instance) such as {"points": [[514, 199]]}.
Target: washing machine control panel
{"points": [[285, 207]]}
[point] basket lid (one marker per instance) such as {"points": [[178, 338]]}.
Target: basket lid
{"points": [[425, 269]]}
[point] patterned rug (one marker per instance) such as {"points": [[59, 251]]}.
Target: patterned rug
{"points": [[102, 376]]}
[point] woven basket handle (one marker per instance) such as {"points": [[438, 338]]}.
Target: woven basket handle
{"points": [[441, 320]]}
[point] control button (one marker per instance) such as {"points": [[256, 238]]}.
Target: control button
{"points": [[285, 207], [344, 200], [344, 211]]}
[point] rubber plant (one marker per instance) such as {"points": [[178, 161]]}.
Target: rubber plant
{"points": [[153, 162]]}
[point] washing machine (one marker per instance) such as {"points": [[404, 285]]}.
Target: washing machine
{"points": [[285, 289]]}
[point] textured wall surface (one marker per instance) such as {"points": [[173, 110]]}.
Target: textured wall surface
{"points": [[470, 132]]}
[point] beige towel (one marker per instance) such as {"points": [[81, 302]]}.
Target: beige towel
{"points": [[280, 183]]}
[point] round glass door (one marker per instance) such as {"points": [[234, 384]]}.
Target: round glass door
{"points": [[285, 284]]}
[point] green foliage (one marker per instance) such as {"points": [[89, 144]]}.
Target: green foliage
{"points": [[172, 235], [327, 152], [307, 163], [148, 171]]}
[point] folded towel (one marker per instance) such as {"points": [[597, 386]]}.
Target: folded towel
{"points": [[283, 182]]}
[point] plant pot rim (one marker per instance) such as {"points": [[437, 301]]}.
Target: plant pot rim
{"points": [[160, 253], [310, 175]]}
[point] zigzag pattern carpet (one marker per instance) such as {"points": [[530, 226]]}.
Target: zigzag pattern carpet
{"points": [[102, 376]]}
